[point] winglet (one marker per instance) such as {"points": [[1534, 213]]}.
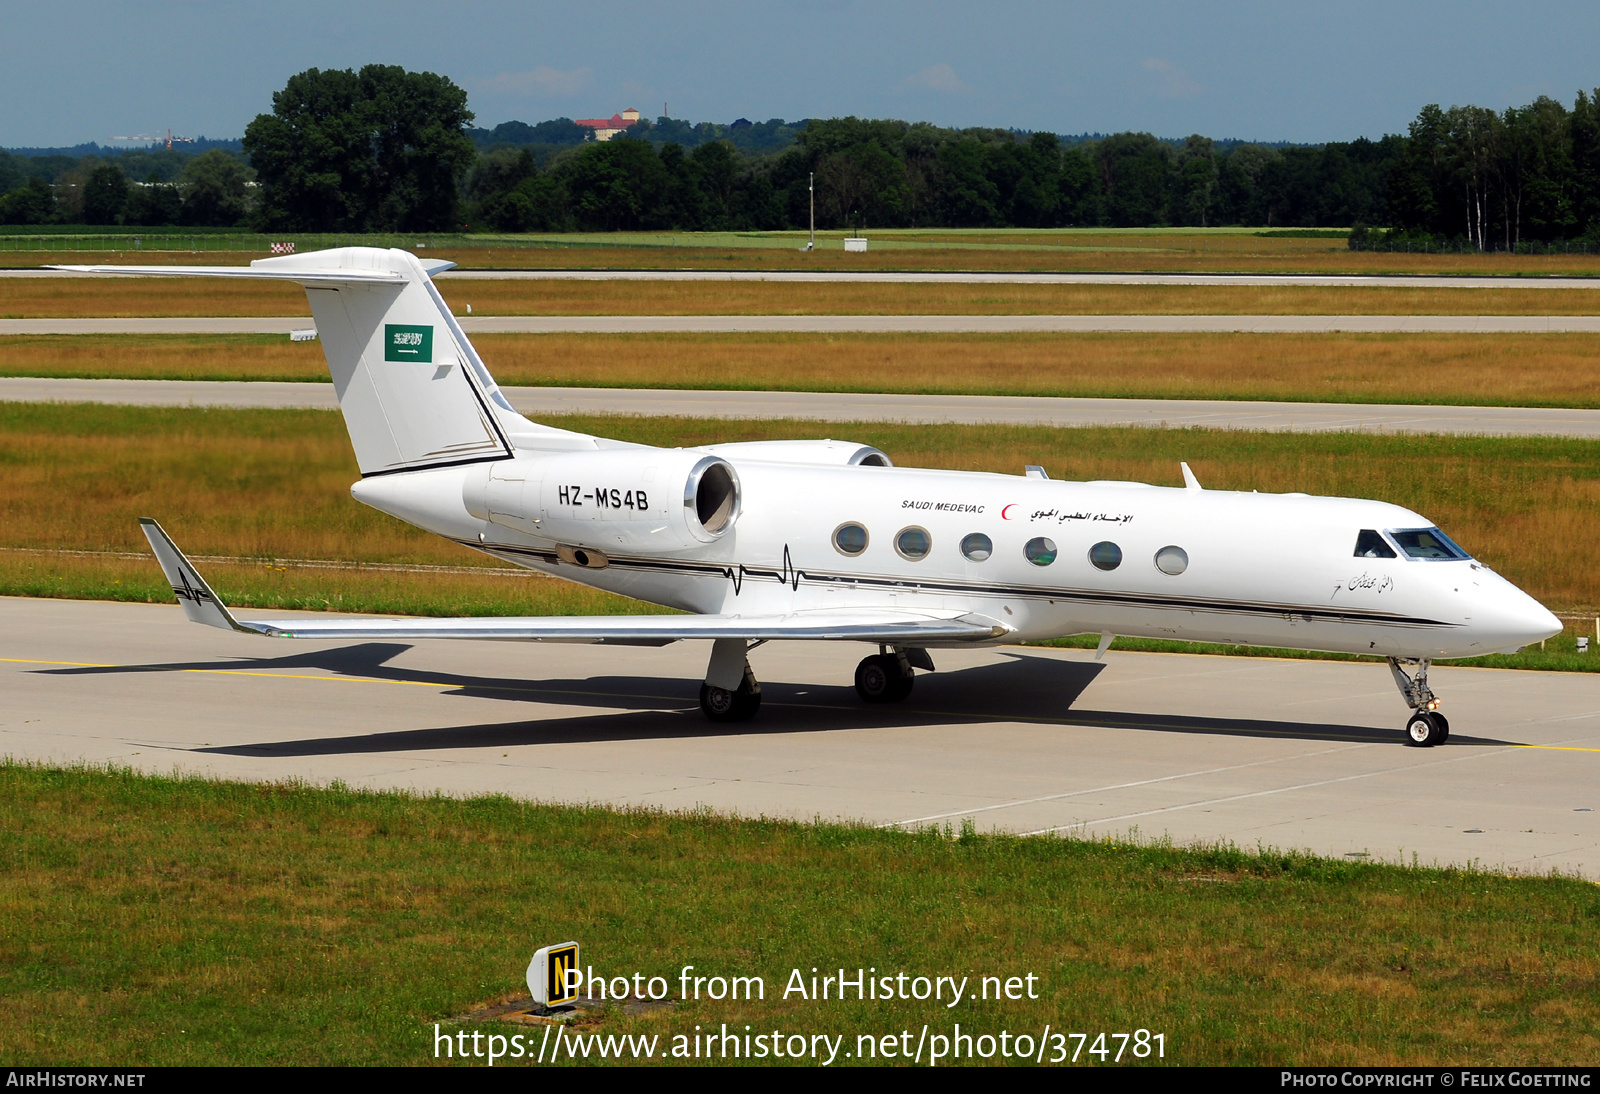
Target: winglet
{"points": [[1189, 481], [200, 604]]}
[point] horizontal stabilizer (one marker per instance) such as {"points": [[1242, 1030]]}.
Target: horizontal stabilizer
{"points": [[885, 625], [301, 275]]}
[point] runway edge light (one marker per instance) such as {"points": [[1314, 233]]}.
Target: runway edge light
{"points": [[547, 975]]}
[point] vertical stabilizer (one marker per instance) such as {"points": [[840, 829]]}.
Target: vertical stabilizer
{"points": [[405, 381]]}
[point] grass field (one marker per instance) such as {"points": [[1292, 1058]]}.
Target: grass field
{"points": [[157, 921], [275, 485], [1463, 369], [44, 298], [1214, 250]]}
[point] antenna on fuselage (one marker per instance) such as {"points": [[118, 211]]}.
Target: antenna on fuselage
{"points": [[1189, 481]]}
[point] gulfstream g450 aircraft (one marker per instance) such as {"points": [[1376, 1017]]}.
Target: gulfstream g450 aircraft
{"points": [[823, 540]]}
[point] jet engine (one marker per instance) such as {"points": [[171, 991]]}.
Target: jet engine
{"points": [[646, 500], [818, 453]]}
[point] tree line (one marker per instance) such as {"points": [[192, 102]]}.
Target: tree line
{"points": [[383, 149]]}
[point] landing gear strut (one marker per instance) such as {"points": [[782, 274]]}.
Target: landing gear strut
{"points": [[1426, 727], [887, 677], [722, 705]]}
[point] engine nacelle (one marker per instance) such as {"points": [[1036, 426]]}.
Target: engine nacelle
{"points": [[625, 500], [815, 453]]}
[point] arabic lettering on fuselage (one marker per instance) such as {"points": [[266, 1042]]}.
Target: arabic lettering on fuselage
{"points": [[1061, 518]]}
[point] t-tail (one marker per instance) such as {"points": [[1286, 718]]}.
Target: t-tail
{"points": [[414, 392]]}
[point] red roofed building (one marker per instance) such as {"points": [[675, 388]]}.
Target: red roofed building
{"points": [[606, 128]]}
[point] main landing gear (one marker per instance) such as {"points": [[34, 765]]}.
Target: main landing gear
{"points": [[1426, 727], [722, 705], [887, 677]]}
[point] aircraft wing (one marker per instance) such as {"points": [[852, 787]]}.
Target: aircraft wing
{"points": [[886, 625]]}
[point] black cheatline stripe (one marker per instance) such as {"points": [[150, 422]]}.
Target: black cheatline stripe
{"points": [[434, 467], [737, 574]]}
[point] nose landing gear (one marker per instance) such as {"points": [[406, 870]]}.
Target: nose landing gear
{"points": [[1426, 727]]}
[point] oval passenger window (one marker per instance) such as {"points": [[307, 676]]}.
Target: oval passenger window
{"points": [[1105, 555], [1040, 552], [977, 547], [913, 543], [1172, 560], [850, 539]]}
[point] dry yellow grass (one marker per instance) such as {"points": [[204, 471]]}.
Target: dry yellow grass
{"points": [[133, 297], [1522, 370], [165, 357]]}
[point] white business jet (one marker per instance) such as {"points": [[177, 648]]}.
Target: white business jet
{"points": [[824, 540]]}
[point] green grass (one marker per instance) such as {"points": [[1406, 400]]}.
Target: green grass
{"points": [[162, 921]]}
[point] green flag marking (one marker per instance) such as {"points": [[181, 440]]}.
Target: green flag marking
{"points": [[402, 342]]}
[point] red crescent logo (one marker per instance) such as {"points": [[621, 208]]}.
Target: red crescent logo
{"points": [[1006, 510]]}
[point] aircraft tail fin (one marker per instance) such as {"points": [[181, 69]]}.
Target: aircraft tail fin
{"points": [[414, 392]]}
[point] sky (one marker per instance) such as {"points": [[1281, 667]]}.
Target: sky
{"points": [[74, 71]]}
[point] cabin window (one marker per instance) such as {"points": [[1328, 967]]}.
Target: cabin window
{"points": [[1105, 555], [977, 547], [1370, 544], [1040, 552], [1172, 560], [1427, 543], [850, 539], [913, 544]]}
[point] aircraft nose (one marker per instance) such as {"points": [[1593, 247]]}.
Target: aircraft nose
{"points": [[1522, 620]]}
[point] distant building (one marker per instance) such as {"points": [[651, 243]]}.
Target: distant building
{"points": [[606, 128]]}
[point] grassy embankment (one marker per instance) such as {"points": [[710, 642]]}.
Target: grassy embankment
{"points": [[46, 298], [1215, 250], [275, 485], [1560, 370], [157, 921]]}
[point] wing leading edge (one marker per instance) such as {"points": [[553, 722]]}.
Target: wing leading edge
{"points": [[884, 625]]}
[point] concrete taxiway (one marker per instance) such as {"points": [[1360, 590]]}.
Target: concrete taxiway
{"points": [[863, 324], [540, 402], [1259, 752]]}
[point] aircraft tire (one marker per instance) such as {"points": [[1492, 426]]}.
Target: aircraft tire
{"points": [[1444, 727], [1426, 729], [879, 679], [722, 705]]}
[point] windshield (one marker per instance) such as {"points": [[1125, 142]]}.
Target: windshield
{"points": [[1427, 543]]}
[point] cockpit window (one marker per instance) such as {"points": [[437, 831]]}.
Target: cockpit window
{"points": [[1427, 543], [1370, 544]]}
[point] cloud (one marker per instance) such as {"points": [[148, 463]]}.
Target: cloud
{"points": [[941, 78], [1170, 81], [543, 80]]}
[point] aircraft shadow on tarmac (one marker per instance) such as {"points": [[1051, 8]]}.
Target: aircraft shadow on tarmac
{"points": [[1020, 688]]}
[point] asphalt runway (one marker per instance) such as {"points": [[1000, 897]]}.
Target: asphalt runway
{"points": [[1252, 751], [974, 277], [542, 402], [863, 324]]}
